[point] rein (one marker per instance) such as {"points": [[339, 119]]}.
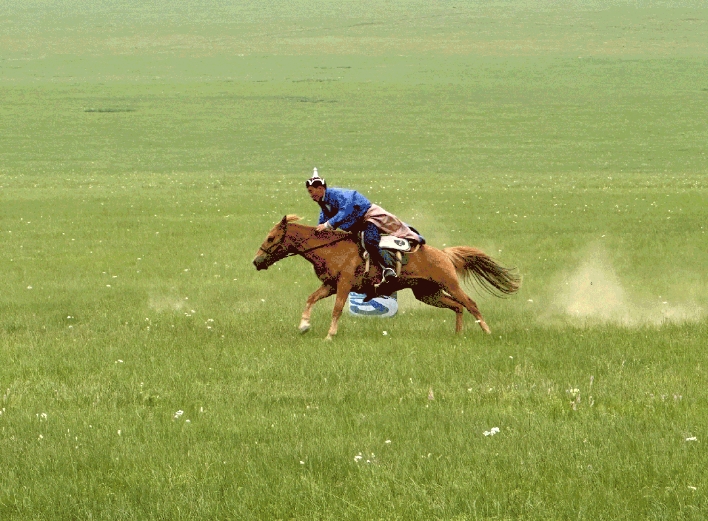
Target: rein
{"points": [[272, 247], [318, 247]]}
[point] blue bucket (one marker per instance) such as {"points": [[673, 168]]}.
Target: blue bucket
{"points": [[380, 307]]}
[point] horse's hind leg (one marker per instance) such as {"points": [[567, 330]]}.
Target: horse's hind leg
{"points": [[457, 294], [323, 291], [433, 296]]}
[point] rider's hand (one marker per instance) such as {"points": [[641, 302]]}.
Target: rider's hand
{"points": [[321, 227]]}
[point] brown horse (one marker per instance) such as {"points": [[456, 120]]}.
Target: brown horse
{"points": [[431, 273]]}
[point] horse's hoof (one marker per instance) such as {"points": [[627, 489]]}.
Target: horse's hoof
{"points": [[485, 328], [304, 328]]}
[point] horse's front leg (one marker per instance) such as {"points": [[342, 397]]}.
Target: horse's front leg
{"points": [[344, 286], [323, 291]]}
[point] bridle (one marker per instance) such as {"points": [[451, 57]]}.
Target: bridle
{"points": [[345, 237], [272, 248]]}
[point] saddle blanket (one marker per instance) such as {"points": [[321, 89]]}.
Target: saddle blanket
{"points": [[390, 224]]}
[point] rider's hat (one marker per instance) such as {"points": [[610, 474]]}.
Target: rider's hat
{"points": [[315, 180]]}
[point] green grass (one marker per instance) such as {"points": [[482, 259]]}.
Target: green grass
{"points": [[145, 151]]}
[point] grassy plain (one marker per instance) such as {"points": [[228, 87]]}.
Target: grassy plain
{"points": [[144, 152]]}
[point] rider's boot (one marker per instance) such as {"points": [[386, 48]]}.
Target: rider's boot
{"points": [[388, 273], [386, 260], [388, 278], [380, 290]]}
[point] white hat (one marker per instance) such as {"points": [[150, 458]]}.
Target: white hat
{"points": [[315, 179]]}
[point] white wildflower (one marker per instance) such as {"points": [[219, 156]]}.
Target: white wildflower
{"points": [[178, 414]]}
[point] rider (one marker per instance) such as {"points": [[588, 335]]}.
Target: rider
{"points": [[351, 211]]}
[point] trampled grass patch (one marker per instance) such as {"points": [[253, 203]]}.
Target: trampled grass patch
{"points": [[149, 372]]}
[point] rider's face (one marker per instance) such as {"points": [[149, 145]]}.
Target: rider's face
{"points": [[316, 193]]}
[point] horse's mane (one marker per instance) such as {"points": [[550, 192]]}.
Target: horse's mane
{"points": [[326, 233]]}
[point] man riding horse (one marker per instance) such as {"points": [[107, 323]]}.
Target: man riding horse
{"points": [[432, 274], [352, 212]]}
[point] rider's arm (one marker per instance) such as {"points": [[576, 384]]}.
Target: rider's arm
{"points": [[344, 202]]}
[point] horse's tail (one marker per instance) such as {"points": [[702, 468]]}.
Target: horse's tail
{"points": [[471, 262]]}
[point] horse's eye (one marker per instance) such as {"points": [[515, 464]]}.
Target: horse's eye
{"points": [[270, 239]]}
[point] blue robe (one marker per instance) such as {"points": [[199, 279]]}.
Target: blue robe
{"points": [[343, 209]]}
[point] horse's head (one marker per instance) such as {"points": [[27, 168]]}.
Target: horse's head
{"points": [[276, 246]]}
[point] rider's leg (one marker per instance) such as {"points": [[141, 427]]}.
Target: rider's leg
{"points": [[372, 237]]}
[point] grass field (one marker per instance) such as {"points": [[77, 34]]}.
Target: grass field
{"points": [[148, 372]]}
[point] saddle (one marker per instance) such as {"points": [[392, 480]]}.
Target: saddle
{"points": [[395, 245], [389, 242]]}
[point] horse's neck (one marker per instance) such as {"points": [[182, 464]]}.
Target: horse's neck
{"points": [[314, 246], [305, 236]]}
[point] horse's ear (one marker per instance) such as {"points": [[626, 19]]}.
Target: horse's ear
{"points": [[284, 221]]}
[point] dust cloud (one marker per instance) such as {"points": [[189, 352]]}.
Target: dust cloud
{"points": [[593, 293], [163, 304]]}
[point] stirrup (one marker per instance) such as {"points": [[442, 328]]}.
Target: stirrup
{"points": [[387, 272]]}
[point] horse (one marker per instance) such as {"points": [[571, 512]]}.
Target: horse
{"points": [[432, 274]]}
